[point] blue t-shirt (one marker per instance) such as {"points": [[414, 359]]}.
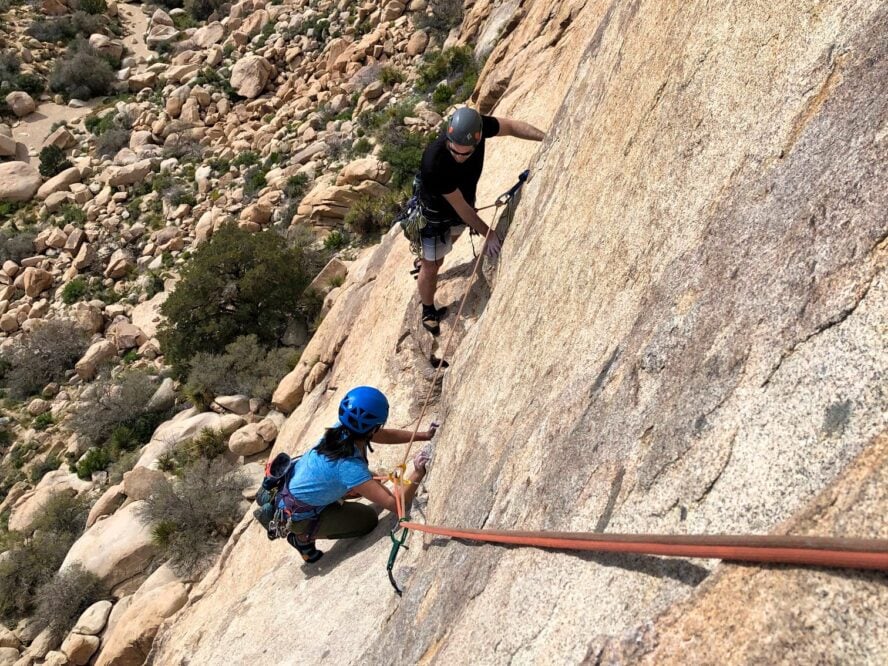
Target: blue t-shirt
{"points": [[319, 481]]}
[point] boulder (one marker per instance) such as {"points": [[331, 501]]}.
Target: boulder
{"points": [[129, 174], [21, 103], [51, 658], [392, 10], [9, 656], [334, 271], [79, 648], [53, 8], [30, 505], [8, 146], [125, 335], [236, 404], [18, 181], [93, 619], [107, 504], [38, 406], [61, 138], [291, 389], [164, 397], [106, 46], [115, 549], [59, 182], [130, 640], [208, 35], [8, 639], [140, 482], [368, 168], [98, 353], [55, 201], [250, 75], [142, 80], [160, 34], [254, 23], [36, 281], [160, 17], [88, 317], [417, 43], [86, 257], [248, 441], [120, 263]]}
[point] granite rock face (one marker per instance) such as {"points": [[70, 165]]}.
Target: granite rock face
{"points": [[684, 334]]}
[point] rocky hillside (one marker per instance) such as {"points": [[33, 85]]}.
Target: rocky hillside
{"points": [[684, 334]]}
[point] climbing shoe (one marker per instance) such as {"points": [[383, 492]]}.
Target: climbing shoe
{"points": [[307, 550], [417, 264], [431, 318]]}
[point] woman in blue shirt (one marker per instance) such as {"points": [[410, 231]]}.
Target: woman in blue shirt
{"points": [[338, 466]]}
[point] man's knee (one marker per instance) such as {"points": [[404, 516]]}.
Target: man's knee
{"points": [[431, 265]]}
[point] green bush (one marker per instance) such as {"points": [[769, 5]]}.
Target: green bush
{"points": [[15, 246], [95, 7], [192, 517], [361, 147], [44, 467], [63, 29], [370, 215], [296, 186], [82, 74], [442, 96], [200, 10], [254, 181], [208, 445], [335, 240], [403, 151], [73, 291], [455, 66], [53, 161], [43, 356], [246, 158], [96, 459], [42, 422], [71, 214], [390, 76], [32, 84], [246, 368], [62, 599], [238, 283]]}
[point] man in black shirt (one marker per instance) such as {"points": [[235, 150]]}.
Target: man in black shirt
{"points": [[451, 168]]}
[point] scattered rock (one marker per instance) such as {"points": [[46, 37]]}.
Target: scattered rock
{"points": [[98, 353], [250, 75], [59, 182], [36, 281], [79, 647], [248, 441], [21, 103], [236, 404], [107, 504], [93, 619], [119, 265]]}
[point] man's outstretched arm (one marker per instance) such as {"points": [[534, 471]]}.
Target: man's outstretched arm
{"points": [[519, 129]]}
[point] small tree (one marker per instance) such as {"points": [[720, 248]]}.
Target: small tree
{"points": [[62, 599], [82, 74], [53, 161], [238, 283]]}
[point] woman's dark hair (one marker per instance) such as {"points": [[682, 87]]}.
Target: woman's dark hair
{"points": [[337, 443]]}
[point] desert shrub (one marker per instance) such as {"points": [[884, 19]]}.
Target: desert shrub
{"points": [[254, 181], [30, 83], [42, 422], [296, 186], [44, 467], [116, 402], [209, 444], [238, 283], [109, 143], [200, 10], [43, 356], [122, 465], [403, 151], [82, 74], [335, 239], [94, 7], [15, 246], [245, 368], [53, 161], [441, 18], [455, 66], [10, 66], [73, 291], [63, 598], [30, 563], [96, 459], [192, 517], [246, 158], [442, 96], [361, 147], [369, 215], [390, 76], [63, 29]]}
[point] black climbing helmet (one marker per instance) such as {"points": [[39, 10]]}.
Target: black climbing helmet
{"points": [[464, 127]]}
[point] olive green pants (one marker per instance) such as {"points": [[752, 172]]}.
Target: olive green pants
{"points": [[339, 521]]}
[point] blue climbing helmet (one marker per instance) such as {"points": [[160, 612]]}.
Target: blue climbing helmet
{"points": [[363, 409]]}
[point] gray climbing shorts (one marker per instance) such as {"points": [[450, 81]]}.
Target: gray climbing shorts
{"points": [[434, 248]]}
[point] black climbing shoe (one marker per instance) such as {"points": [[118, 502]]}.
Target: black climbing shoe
{"points": [[417, 264], [438, 362], [431, 318], [307, 550]]}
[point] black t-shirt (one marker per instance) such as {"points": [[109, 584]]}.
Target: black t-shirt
{"points": [[441, 174]]}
